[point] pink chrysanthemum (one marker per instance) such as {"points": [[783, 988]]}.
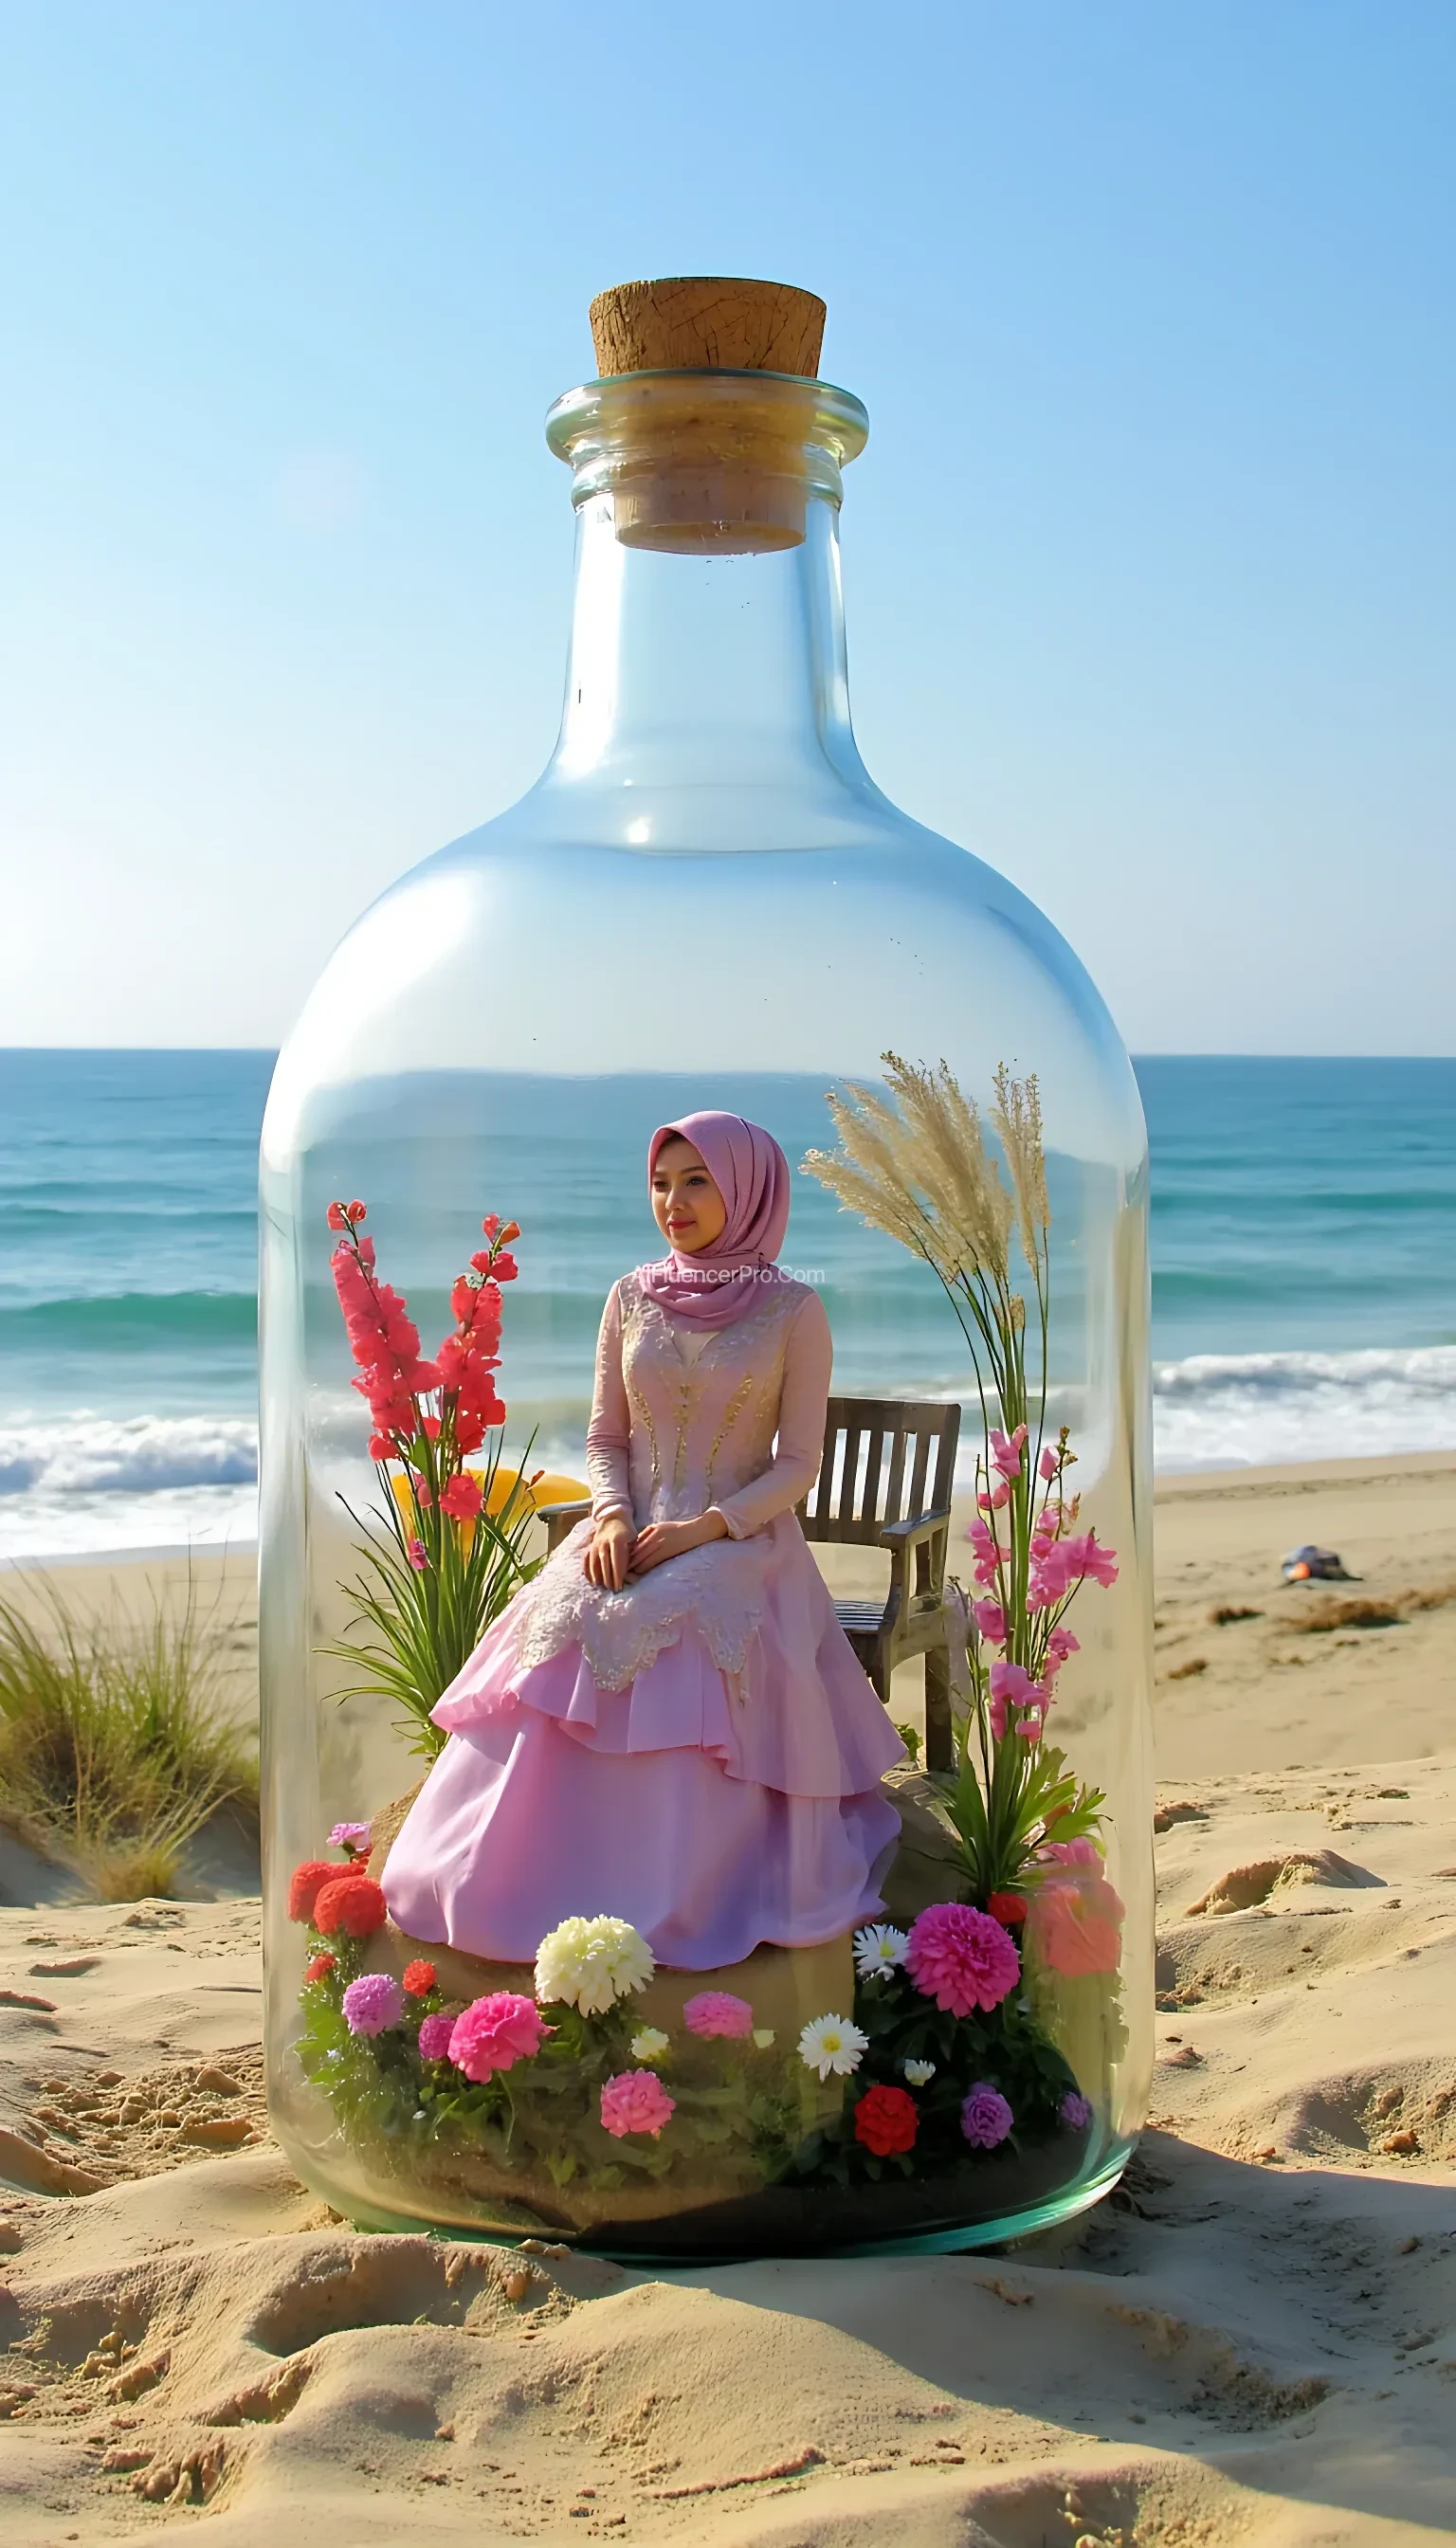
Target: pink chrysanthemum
{"points": [[636, 2101], [434, 2038], [494, 2033], [718, 2013], [372, 2003], [961, 1959]]}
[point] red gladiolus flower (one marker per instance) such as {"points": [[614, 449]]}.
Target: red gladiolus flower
{"points": [[381, 1447], [355, 1210], [320, 1969], [1009, 1908], [420, 1977], [887, 2120], [512, 1231], [492, 1225], [337, 1216], [506, 1269], [306, 1882], [353, 1904], [462, 1498]]}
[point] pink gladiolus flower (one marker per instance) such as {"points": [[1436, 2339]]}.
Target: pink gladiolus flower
{"points": [[999, 1494], [1085, 1557], [381, 1447], [990, 1620], [1011, 1686], [636, 2101], [961, 1959], [462, 1498], [496, 2033], [492, 1225], [1046, 1465], [355, 1210], [1005, 1453], [711, 2013], [434, 2038], [419, 1555], [987, 1554], [506, 1269], [335, 1217], [1060, 1645]]}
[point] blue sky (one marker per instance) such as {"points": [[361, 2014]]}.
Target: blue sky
{"points": [[1149, 561]]}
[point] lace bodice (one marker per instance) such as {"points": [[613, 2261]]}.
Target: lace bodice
{"points": [[683, 1419]]}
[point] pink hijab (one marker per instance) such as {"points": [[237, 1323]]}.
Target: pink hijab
{"points": [[750, 1173]]}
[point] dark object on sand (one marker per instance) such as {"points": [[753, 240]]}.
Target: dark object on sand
{"points": [[1315, 1566]]}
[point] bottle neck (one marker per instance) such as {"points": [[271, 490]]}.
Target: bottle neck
{"points": [[705, 670]]}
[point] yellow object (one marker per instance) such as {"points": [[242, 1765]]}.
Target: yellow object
{"points": [[546, 1487]]}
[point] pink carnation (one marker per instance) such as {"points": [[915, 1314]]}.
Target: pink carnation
{"points": [[960, 1958], [636, 2101], [1075, 1923], [718, 2013], [494, 2033], [434, 2038]]}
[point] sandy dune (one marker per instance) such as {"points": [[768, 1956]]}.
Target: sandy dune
{"points": [[1254, 2341]]}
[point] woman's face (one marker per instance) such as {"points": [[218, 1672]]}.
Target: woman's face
{"points": [[686, 1204]]}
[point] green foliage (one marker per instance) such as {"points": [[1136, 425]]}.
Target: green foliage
{"points": [[427, 1620], [1005, 1800], [115, 1747]]}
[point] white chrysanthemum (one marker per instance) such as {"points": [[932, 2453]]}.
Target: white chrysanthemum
{"points": [[832, 2043], [878, 1949], [763, 2036], [648, 2043], [919, 2073], [591, 1963]]}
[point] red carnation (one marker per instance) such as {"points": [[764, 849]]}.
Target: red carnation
{"points": [[420, 1977], [887, 2120], [1009, 1908], [305, 1883], [354, 1904], [320, 1968]]}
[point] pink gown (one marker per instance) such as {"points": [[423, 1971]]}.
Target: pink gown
{"points": [[701, 1753]]}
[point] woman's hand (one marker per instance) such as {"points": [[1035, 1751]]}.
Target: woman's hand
{"points": [[609, 1551], [664, 1539]]}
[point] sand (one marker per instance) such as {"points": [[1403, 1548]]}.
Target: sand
{"points": [[1253, 2341]]}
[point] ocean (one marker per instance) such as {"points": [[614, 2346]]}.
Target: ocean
{"points": [[1304, 1237]]}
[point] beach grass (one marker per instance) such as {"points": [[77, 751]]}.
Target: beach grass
{"points": [[116, 1750]]}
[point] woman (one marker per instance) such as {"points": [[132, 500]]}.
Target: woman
{"points": [[669, 1723]]}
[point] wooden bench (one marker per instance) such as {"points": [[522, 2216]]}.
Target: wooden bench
{"points": [[886, 1481]]}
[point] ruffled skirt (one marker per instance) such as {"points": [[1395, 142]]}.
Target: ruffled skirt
{"points": [[717, 1810]]}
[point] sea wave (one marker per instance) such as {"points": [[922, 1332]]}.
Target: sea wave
{"points": [[1232, 1410], [93, 1482]]}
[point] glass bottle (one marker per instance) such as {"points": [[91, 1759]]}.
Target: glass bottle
{"points": [[705, 902]]}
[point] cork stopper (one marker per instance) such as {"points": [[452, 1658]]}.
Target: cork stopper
{"points": [[707, 323]]}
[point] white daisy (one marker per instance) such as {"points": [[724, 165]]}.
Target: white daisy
{"points": [[763, 2036], [648, 2043], [832, 2043], [919, 2073], [878, 1950], [591, 1963]]}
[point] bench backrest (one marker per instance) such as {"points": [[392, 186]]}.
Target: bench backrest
{"points": [[886, 1459]]}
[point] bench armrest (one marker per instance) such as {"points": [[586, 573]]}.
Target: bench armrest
{"points": [[906, 1534], [559, 1518]]}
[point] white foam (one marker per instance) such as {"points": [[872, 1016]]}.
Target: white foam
{"points": [[89, 1482], [1232, 1411]]}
